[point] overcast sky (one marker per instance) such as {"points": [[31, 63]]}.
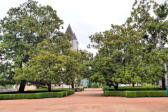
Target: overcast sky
{"points": [[85, 16]]}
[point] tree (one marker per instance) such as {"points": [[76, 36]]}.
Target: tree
{"points": [[47, 64], [85, 59], [72, 72], [122, 57], [77, 67], [23, 28], [151, 18], [119, 48]]}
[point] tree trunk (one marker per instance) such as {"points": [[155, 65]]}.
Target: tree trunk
{"points": [[49, 87], [133, 84], [22, 83], [116, 87], [164, 79], [37, 86], [22, 86], [72, 85], [163, 83]]}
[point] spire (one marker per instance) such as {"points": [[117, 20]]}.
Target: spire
{"points": [[69, 31]]}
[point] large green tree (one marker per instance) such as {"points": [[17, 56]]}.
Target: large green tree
{"points": [[151, 18], [23, 28], [47, 64], [135, 51], [118, 50]]}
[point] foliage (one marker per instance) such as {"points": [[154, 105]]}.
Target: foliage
{"points": [[36, 95], [23, 28], [76, 67], [6, 87], [136, 93], [151, 18], [47, 64], [137, 88], [95, 85], [71, 68], [135, 51], [119, 50]]}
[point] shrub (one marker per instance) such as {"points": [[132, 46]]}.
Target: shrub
{"points": [[151, 94], [95, 85], [114, 93], [136, 93], [70, 92], [128, 88], [36, 94], [130, 93]]}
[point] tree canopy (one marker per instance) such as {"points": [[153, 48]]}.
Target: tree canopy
{"points": [[135, 51]]}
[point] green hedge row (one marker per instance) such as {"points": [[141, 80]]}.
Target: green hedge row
{"points": [[38, 95], [128, 88], [136, 93]]}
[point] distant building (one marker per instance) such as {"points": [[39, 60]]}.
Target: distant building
{"points": [[74, 40]]}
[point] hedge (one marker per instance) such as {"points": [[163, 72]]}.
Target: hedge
{"points": [[37, 95], [128, 88], [136, 93]]}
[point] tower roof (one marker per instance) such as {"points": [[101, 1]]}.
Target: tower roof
{"points": [[69, 31]]}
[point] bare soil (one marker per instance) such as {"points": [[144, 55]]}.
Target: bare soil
{"points": [[90, 100]]}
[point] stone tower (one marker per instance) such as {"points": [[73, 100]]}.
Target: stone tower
{"points": [[74, 40]]}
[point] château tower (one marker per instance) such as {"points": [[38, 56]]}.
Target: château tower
{"points": [[74, 40]]}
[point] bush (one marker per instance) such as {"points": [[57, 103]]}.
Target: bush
{"points": [[128, 88], [70, 92], [95, 85], [35, 94], [130, 93], [149, 94], [114, 93], [80, 89], [136, 93]]}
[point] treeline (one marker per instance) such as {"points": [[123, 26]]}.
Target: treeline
{"points": [[34, 50]]}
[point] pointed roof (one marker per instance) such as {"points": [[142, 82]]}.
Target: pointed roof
{"points": [[69, 31]]}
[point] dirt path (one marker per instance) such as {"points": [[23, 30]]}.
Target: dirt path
{"points": [[91, 100]]}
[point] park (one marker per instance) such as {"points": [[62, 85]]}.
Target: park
{"points": [[43, 69]]}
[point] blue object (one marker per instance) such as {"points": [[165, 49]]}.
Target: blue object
{"points": [[167, 91]]}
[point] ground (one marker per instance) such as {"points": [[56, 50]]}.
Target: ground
{"points": [[90, 100]]}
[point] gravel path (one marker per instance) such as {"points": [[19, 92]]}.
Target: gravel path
{"points": [[90, 100]]}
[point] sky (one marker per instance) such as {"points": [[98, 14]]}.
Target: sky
{"points": [[85, 16]]}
